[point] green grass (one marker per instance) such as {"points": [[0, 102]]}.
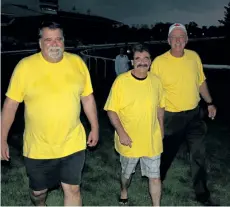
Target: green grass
{"points": [[100, 186]]}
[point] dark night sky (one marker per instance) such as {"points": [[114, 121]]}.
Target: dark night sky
{"points": [[204, 12]]}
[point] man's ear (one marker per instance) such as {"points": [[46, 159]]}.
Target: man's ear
{"points": [[169, 41], [40, 45], [186, 41]]}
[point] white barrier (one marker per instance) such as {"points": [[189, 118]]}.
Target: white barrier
{"points": [[110, 45], [216, 66], [88, 58]]}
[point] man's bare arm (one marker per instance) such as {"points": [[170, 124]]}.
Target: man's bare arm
{"points": [[8, 114], [123, 136], [90, 110], [160, 116], [204, 92], [207, 97], [115, 121]]}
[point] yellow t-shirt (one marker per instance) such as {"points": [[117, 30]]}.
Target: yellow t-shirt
{"points": [[51, 93], [181, 79], [136, 102]]}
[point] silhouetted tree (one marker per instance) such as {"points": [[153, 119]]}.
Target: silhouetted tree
{"points": [[193, 29], [226, 20], [88, 11]]}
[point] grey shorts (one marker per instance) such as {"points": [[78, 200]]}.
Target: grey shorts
{"points": [[150, 166]]}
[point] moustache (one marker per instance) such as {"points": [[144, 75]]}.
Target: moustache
{"points": [[142, 65]]}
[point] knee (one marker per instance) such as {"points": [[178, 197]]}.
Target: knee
{"points": [[71, 189], [155, 180], [38, 193]]}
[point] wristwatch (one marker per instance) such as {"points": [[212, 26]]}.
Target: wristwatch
{"points": [[210, 103]]}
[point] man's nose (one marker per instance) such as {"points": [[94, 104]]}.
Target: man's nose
{"points": [[177, 39], [54, 43]]}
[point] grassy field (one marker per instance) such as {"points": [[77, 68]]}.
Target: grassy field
{"points": [[100, 185]]}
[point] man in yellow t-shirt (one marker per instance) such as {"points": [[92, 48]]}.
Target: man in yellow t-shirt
{"points": [[135, 108], [52, 83], [181, 73]]}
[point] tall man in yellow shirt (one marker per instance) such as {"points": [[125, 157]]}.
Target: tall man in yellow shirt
{"points": [[135, 108], [52, 83], [183, 80]]}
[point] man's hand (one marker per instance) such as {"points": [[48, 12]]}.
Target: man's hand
{"points": [[5, 155], [211, 111], [125, 139], [93, 138]]}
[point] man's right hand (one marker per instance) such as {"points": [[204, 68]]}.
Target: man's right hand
{"points": [[5, 155], [125, 139]]}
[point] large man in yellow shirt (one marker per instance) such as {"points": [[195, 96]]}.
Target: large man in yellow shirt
{"points": [[52, 83], [135, 108], [183, 80]]}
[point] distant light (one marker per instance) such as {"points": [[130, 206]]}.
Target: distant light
{"points": [[128, 51]]}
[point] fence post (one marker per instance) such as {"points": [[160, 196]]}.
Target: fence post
{"points": [[89, 63], [96, 66], [105, 69]]}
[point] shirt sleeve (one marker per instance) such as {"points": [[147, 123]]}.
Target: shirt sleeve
{"points": [[113, 100], [161, 96], [88, 89], [200, 70], [155, 67], [16, 88]]}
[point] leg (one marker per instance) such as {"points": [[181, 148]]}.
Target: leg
{"points": [[196, 142], [150, 167], [71, 170], [155, 190], [174, 130], [124, 186], [38, 198], [72, 195], [128, 166], [42, 175], [171, 145]]}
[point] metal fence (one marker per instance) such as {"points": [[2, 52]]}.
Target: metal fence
{"points": [[101, 65]]}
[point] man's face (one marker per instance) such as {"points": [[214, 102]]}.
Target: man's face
{"points": [[177, 40], [122, 51], [141, 61], [52, 44]]}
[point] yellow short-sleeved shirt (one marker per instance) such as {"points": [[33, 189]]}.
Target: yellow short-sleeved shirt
{"points": [[136, 102], [181, 79], [51, 93]]}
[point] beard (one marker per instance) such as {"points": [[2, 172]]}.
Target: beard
{"points": [[55, 52]]}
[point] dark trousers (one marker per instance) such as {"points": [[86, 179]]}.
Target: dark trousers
{"points": [[186, 126]]}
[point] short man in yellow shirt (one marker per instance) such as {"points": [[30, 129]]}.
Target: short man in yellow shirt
{"points": [[135, 108], [183, 80], [52, 83]]}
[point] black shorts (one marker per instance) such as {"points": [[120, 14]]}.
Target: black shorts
{"points": [[48, 173]]}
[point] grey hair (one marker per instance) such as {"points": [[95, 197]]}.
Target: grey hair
{"points": [[50, 25]]}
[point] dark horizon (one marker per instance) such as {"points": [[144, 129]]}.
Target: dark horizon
{"points": [[204, 13]]}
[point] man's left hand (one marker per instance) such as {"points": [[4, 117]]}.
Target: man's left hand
{"points": [[211, 112], [93, 138]]}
